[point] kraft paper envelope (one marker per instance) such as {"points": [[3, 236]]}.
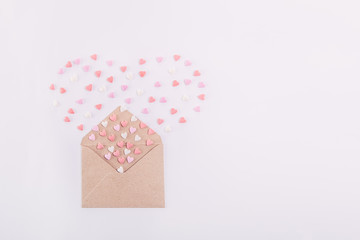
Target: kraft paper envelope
{"points": [[122, 164]]}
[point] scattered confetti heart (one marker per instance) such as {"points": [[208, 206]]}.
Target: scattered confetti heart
{"points": [[145, 111], [142, 73], [185, 98], [157, 84], [142, 61], [159, 59], [187, 81], [196, 73], [123, 68], [55, 103], [77, 61], [175, 83], [176, 57], [160, 121], [171, 70], [187, 63], [201, 85], [80, 101], [89, 87], [139, 92], [129, 76], [62, 90], [98, 73], [80, 127], [68, 64], [98, 106], [52, 87], [111, 95], [162, 100], [74, 78], [110, 79], [102, 89], [71, 111], [87, 115], [93, 57], [66, 119], [197, 109], [173, 111], [128, 100], [151, 99], [124, 87], [182, 120], [167, 129], [109, 62], [61, 71], [201, 96], [86, 68]]}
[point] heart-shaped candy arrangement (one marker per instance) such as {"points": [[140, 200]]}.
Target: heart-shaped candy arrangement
{"points": [[171, 90]]}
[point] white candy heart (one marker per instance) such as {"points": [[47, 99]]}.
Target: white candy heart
{"points": [[104, 123], [55, 103], [111, 149], [74, 78], [124, 135], [171, 70], [167, 129], [139, 92], [137, 138], [127, 151], [87, 115], [120, 170], [185, 98], [129, 76], [102, 89], [133, 118], [123, 108]]}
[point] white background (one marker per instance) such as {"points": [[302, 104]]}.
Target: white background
{"points": [[274, 156]]}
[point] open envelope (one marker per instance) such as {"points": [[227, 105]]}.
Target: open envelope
{"points": [[122, 164]]}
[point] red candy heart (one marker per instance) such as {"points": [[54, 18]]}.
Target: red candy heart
{"points": [[110, 79], [98, 106], [123, 68], [173, 111], [182, 120], [89, 87], [201, 97], [93, 57], [80, 127], [68, 64], [160, 121], [62, 90], [196, 73], [71, 111], [98, 73], [175, 83], [66, 119], [151, 99], [142, 73], [142, 61]]}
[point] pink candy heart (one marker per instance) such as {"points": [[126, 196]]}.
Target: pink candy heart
{"points": [[187, 63], [145, 111], [111, 95], [132, 130], [92, 137], [108, 156], [86, 68], [129, 159], [201, 85], [124, 87], [197, 109], [128, 100], [187, 81]]}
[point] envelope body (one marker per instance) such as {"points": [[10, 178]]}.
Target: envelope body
{"points": [[122, 164]]}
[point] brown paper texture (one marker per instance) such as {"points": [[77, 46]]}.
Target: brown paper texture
{"points": [[142, 182]]}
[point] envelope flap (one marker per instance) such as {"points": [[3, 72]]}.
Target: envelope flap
{"points": [[121, 139]]}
